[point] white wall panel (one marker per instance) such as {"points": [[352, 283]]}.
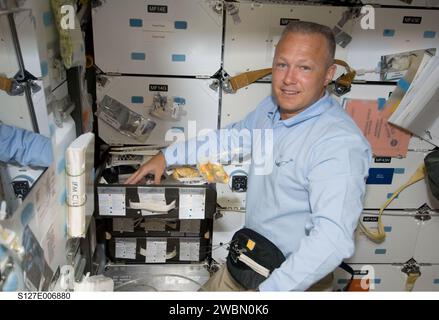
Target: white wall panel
{"points": [[399, 246], [129, 38], [250, 44], [201, 105], [391, 36], [385, 178]]}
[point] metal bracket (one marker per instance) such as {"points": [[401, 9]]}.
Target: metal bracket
{"points": [[423, 213], [26, 81], [411, 267], [233, 9], [217, 7]]}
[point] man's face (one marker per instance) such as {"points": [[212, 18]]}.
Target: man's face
{"points": [[300, 72]]}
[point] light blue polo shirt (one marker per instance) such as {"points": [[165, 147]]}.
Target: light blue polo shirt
{"points": [[310, 202]]}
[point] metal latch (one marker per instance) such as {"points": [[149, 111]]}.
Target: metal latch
{"points": [[411, 267], [423, 213]]}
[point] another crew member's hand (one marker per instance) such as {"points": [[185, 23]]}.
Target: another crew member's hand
{"points": [[156, 166]]}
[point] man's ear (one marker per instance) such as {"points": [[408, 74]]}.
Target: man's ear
{"points": [[330, 72]]}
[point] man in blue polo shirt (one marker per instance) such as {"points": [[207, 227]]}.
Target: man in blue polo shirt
{"points": [[310, 201]]}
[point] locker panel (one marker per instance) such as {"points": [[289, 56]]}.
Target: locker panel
{"points": [[199, 105], [391, 36], [178, 201], [250, 44], [160, 37], [399, 246], [385, 178]]}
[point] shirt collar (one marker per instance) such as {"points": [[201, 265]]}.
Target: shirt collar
{"points": [[312, 111]]}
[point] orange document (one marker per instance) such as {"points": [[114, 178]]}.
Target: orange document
{"points": [[386, 139]]}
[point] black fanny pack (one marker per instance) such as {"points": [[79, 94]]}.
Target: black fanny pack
{"points": [[252, 258]]}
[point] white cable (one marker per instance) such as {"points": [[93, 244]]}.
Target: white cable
{"points": [[172, 254], [254, 265]]}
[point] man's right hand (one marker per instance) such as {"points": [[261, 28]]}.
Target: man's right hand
{"points": [[156, 166]]}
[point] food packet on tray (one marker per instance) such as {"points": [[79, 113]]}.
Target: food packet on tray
{"points": [[213, 172]]}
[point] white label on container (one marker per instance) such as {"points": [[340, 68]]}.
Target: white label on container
{"points": [[125, 248], [158, 26], [189, 250], [192, 203], [155, 251], [111, 201]]}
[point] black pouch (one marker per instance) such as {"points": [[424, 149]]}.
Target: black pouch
{"points": [[257, 248], [432, 171]]}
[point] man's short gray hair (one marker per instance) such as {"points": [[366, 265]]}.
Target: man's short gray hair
{"points": [[307, 27]]}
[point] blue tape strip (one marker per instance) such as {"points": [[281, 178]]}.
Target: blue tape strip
{"points": [[388, 32], [403, 84], [430, 34], [436, 281], [136, 23], [180, 25], [137, 56], [390, 194], [380, 176], [380, 251], [179, 100], [381, 103], [399, 170], [179, 57], [136, 99], [377, 281], [388, 229], [47, 18], [44, 68]]}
